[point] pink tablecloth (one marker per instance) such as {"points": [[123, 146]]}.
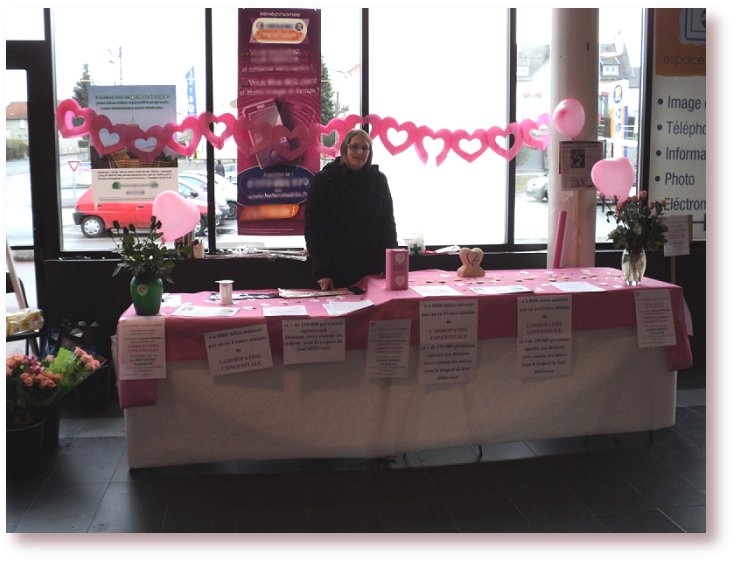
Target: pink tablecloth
{"points": [[497, 314]]}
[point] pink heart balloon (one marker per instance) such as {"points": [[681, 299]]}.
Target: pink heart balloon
{"points": [[569, 117], [613, 177], [178, 216]]}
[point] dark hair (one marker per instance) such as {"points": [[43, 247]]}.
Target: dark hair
{"points": [[346, 141]]}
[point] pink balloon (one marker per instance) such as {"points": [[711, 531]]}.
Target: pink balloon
{"points": [[178, 216], [614, 177], [569, 117]]}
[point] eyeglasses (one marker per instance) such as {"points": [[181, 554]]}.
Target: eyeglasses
{"points": [[357, 148]]}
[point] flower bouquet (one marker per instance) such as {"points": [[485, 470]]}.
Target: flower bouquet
{"points": [[149, 262], [639, 228], [33, 384]]}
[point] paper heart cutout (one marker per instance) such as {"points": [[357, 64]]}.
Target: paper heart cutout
{"points": [[512, 129], [399, 258], [190, 123], [461, 135], [142, 289], [299, 134], [153, 137], [102, 124], [382, 127], [528, 129], [208, 118], [424, 132], [241, 135], [341, 126], [328, 150], [65, 114], [399, 280]]}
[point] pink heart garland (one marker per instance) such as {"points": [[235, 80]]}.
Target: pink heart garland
{"points": [[102, 123], [65, 114], [328, 150], [190, 123], [241, 135], [207, 118], [461, 135], [387, 123], [135, 134], [299, 134], [424, 132], [342, 126], [528, 127], [512, 129]]}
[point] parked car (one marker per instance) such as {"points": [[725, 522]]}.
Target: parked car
{"points": [[224, 189], [95, 219], [231, 173], [200, 192], [537, 187]]}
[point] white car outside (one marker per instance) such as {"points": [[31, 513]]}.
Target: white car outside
{"points": [[224, 189]]}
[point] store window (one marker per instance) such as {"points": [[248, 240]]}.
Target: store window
{"points": [[620, 39], [460, 83], [18, 218], [24, 23], [119, 47], [453, 77]]}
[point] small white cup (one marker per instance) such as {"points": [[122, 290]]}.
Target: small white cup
{"points": [[226, 291]]}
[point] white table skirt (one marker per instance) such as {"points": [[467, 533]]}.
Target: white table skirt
{"points": [[332, 410]]}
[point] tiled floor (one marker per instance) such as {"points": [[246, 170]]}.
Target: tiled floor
{"points": [[623, 483]]}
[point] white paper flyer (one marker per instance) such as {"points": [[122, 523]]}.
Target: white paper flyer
{"points": [[448, 336], [544, 336], [141, 348], [387, 353], [238, 349], [313, 341]]}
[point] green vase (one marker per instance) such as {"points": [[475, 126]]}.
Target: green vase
{"points": [[146, 292]]}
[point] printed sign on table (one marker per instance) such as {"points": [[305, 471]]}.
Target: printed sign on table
{"points": [[238, 349], [387, 353], [655, 325], [448, 335], [544, 336], [142, 348], [313, 341]]}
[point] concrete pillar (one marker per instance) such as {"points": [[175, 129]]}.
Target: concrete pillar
{"points": [[574, 63]]}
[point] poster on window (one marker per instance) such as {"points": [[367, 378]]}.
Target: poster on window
{"points": [[137, 174], [678, 149], [279, 98]]}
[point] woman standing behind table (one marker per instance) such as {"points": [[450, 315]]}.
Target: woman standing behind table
{"points": [[349, 216]]}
